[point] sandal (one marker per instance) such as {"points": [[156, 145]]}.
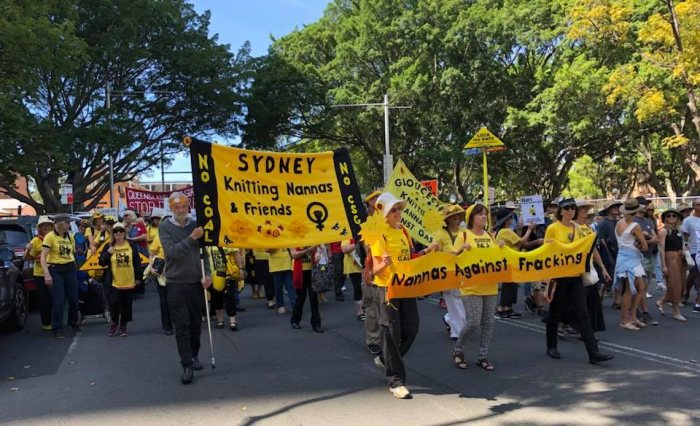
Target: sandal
{"points": [[660, 305], [485, 364], [459, 360], [629, 326], [233, 326], [220, 324], [639, 324], [360, 317]]}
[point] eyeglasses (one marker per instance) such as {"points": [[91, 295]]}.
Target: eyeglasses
{"points": [[118, 231], [569, 208]]}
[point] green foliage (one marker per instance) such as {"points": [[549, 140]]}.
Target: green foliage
{"points": [[583, 177]]}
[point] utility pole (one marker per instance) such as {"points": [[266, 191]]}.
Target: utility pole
{"points": [[388, 158]]}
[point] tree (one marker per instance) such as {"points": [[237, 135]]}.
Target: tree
{"points": [[59, 128]]}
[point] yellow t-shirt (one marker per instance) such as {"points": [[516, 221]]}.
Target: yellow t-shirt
{"points": [[562, 233], [477, 242], [349, 264], [585, 230], [218, 267], [508, 236], [307, 260], [61, 248], [261, 255], [122, 268], [396, 244], [280, 260], [447, 244], [157, 248], [35, 252], [152, 233], [88, 232]]}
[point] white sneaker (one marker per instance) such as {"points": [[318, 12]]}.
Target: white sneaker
{"points": [[649, 296], [281, 310], [400, 392], [661, 286], [378, 362]]}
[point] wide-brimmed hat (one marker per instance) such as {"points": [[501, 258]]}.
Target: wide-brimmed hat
{"points": [[375, 193], [612, 203], [97, 215], [670, 210], [119, 225], [110, 220], [452, 210], [386, 202], [510, 205], [683, 207], [61, 218], [44, 220], [565, 202], [502, 214], [583, 203], [630, 206]]}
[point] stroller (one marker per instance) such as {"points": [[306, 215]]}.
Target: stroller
{"points": [[92, 302]]}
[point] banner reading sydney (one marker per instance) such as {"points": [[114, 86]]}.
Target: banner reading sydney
{"points": [[257, 199]]}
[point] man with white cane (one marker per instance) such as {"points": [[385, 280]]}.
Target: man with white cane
{"points": [[185, 276]]}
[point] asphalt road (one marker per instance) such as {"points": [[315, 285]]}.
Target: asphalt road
{"points": [[269, 374]]}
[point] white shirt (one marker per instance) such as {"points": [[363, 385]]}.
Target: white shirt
{"points": [[691, 226]]}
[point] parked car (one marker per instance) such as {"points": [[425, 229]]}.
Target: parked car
{"points": [[13, 305], [19, 230]]}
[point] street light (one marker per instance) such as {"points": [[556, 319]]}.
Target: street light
{"points": [[388, 158], [111, 160]]}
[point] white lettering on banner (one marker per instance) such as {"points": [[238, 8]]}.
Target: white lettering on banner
{"points": [[145, 201]]}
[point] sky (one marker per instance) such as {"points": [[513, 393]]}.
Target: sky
{"points": [[238, 21]]}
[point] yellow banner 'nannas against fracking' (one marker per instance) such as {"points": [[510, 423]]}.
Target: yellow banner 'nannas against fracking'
{"points": [[266, 200], [478, 271], [422, 215]]}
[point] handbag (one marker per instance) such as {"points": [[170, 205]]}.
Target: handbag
{"points": [[591, 277], [321, 277], [689, 258]]}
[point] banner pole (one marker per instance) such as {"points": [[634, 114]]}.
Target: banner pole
{"points": [[486, 188]]}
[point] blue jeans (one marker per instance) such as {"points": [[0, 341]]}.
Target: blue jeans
{"points": [[283, 279], [64, 289], [658, 273]]}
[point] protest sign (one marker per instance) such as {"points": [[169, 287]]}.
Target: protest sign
{"points": [[266, 200], [92, 262], [422, 207], [143, 201], [532, 209], [477, 272], [431, 184]]}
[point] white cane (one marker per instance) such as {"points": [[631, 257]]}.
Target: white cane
{"points": [[206, 305]]}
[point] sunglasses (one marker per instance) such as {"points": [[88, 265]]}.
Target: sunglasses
{"points": [[118, 231], [569, 208], [672, 215]]}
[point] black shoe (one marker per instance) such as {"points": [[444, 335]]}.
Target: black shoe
{"points": [[374, 349], [58, 334], [317, 328], [187, 375], [514, 315], [553, 353], [296, 326], [168, 332], [599, 357], [240, 309], [196, 365]]}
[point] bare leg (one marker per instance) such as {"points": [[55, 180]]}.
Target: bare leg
{"points": [[626, 304]]}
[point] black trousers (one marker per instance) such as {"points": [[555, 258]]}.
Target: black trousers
{"points": [[570, 298], [165, 321], [45, 303], [399, 320], [120, 305], [301, 298], [356, 280], [509, 295], [339, 276], [264, 277], [225, 298], [186, 302]]}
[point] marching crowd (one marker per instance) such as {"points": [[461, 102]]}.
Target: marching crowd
{"points": [[633, 245]]}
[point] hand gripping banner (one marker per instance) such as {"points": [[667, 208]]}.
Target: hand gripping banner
{"points": [[266, 200]]}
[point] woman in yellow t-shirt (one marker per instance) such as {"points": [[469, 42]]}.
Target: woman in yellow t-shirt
{"points": [[352, 267], [33, 252], [60, 273], [281, 269], [505, 233], [480, 309], [568, 291], [226, 266], [121, 257], [451, 239], [399, 317], [303, 262]]}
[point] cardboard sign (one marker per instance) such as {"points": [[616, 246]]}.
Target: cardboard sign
{"points": [[532, 209], [484, 139]]}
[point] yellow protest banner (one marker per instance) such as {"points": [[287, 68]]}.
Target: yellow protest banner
{"points": [[266, 200], [422, 216], [92, 262], [478, 271]]}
